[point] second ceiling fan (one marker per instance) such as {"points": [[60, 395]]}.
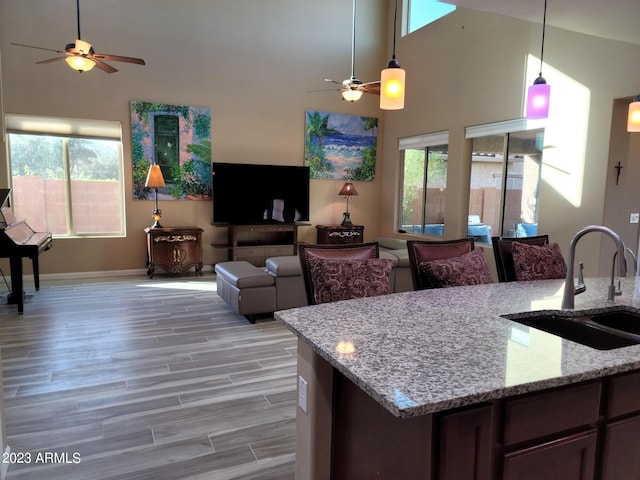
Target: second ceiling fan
{"points": [[353, 88]]}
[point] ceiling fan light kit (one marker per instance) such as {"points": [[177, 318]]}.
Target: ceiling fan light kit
{"points": [[392, 78], [80, 63]]}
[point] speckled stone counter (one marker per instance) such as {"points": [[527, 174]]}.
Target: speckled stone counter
{"points": [[422, 352]]}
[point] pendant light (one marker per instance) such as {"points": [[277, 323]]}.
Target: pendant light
{"points": [[538, 93], [392, 78], [633, 121]]}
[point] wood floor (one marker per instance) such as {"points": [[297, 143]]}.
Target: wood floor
{"points": [[131, 378]]}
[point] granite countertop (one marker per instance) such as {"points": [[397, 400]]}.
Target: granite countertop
{"points": [[432, 350]]}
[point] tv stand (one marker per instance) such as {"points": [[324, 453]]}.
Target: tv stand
{"points": [[255, 243]]}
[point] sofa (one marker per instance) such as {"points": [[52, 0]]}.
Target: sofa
{"points": [[252, 291]]}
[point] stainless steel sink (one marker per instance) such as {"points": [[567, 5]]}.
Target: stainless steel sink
{"points": [[603, 330]]}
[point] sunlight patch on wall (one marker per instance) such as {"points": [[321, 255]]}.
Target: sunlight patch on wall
{"points": [[565, 135]]}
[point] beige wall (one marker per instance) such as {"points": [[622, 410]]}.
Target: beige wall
{"points": [[253, 62], [468, 69]]}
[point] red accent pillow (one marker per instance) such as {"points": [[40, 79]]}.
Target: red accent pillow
{"points": [[533, 262], [335, 280], [468, 269]]}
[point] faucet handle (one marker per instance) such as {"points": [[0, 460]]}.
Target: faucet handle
{"points": [[580, 287], [581, 273]]}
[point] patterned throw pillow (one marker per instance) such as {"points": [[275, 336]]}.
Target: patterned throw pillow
{"points": [[335, 280], [533, 262], [468, 269]]}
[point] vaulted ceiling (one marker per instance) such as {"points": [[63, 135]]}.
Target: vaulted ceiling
{"points": [[612, 19]]}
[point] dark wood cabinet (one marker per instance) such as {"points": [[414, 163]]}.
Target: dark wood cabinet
{"points": [[339, 235], [568, 458], [466, 444], [174, 249], [621, 449]]}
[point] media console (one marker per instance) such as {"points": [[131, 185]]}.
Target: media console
{"points": [[255, 243]]}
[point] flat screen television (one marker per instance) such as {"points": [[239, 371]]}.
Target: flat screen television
{"points": [[247, 194]]}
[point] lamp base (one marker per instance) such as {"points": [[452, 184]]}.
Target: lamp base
{"points": [[156, 217], [346, 222]]}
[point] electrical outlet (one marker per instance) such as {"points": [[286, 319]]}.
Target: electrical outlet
{"points": [[302, 394], [634, 218]]}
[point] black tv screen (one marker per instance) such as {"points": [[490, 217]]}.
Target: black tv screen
{"points": [[247, 194]]}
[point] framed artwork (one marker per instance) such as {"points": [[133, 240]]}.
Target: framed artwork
{"points": [[340, 146], [178, 139]]}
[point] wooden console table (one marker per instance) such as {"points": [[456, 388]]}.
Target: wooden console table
{"points": [[339, 235], [175, 249]]}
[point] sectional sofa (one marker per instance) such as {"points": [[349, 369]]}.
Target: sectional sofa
{"points": [[253, 291]]}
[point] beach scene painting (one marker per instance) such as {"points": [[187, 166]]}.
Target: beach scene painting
{"points": [[340, 146]]}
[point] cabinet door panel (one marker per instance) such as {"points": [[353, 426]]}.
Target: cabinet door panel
{"points": [[571, 458], [621, 459], [624, 395], [466, 443]]}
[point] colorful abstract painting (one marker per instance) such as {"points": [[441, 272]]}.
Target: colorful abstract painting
{"points": [[340, 146], [178, 139]]}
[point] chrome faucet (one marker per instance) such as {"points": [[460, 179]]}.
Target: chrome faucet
{"points": [[568, 300]]}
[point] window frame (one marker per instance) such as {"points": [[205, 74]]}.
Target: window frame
{"points": [[423, 141], [505, 129], [69, 129]]}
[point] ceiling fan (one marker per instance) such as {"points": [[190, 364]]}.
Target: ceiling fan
{"points": [[81, 56], [352, 88]]}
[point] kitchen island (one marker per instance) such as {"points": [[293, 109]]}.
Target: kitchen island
{"points": [[438, 384]]}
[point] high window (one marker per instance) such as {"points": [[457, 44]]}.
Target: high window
{"points": [[424, 183], [67, 175], [423, 12], [505, 179]]}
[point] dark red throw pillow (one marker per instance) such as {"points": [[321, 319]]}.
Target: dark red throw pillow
{"points": [[533, 262]]}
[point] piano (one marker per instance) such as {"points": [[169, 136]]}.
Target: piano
{"points": [[18, 240]]}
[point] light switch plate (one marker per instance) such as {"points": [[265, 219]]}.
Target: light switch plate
{"points": [[634, 218], [303, 387]]}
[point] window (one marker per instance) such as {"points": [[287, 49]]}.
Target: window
{"points": [[424, 183], [424, 12], [66, 175], [505, 180]]}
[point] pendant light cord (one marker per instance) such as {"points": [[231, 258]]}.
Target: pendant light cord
{"points": [[544, 27], [395, 22]]}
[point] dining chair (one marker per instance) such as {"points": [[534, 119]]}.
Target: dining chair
{"points": [[340, 272], [503, 254], [422, 252]]}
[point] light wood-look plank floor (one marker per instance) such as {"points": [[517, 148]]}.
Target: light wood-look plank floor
{"points": [[132, 378]]}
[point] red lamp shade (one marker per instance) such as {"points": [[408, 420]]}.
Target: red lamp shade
{"points": [[348, 189]]}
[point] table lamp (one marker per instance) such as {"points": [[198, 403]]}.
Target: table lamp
{"points": [[155, 180], [348, 189]]}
